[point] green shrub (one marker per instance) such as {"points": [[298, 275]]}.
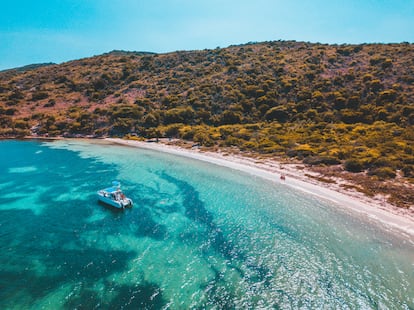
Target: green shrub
{"points": [[179, 115], [382, 162], [187, 133], [249, 145], [383, 172], [21, 124], [172, 131], [150, 120], [50, 103], [203, 138], [231, 117], [408, 171], [321, 160], [277, 113], [299, 153], [39, 95], [353, 165], [232, 141]]}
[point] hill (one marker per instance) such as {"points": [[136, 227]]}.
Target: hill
{"points": [[328, 105], [28, 67]]}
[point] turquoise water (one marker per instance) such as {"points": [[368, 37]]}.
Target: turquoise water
{"points": [[198, 236]]}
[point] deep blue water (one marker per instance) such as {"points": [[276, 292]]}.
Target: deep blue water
{"points": [[198, 236]]}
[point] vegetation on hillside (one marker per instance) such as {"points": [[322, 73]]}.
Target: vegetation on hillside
{"points": [[324, 104]]}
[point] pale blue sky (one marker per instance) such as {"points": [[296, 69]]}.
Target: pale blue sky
{"points": [[60, 30]]}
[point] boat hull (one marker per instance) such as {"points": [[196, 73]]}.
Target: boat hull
{"points": [[120, 204]]}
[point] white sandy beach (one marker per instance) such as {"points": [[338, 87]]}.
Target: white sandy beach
{"points": [[389, 217]]}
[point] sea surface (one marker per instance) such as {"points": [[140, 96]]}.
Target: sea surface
{"points": [[199, 236]]}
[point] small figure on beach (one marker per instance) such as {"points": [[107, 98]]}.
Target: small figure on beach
{"points": [[282, 177]]}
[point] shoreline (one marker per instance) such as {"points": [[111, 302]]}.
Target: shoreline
{"points": [[395, 219]]}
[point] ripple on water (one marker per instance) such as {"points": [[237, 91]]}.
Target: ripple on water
{"points": [[22, 169]]}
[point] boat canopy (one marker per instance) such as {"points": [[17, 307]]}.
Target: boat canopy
{"points": [[116, 187], [111, 190]]}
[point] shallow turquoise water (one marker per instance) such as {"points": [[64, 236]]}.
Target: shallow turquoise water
{"points": [[198, 236]]}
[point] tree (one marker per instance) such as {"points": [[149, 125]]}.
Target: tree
{"points": [[150, 120], [179, 115]]}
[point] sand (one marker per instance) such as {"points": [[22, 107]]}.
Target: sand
{"points": [[400, 221]]}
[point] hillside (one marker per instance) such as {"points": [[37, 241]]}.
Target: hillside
{"points": [[328, 105]]}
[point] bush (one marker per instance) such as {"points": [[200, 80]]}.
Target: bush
{"points": [[10, 111], [172, 130], [230, 117], [203, 138], [39, 95], [186, 132], [382, 162], [408, 171], [150, 120], [21, 124], [351, 116], [300, 153], [277, 113], [249, 145], [353, 165], [179, 115], [383, 173], [50, 103], [232, 141], [321, 160]]}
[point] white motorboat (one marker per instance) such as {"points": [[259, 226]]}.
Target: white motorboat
{"points": [[113, 196]]}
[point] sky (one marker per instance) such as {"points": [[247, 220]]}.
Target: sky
{"points": [[38, 31]]}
